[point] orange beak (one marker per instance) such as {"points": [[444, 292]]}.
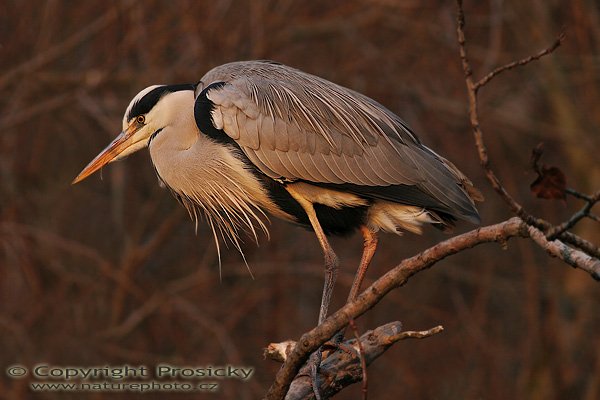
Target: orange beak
{"points": [[116, 147]]}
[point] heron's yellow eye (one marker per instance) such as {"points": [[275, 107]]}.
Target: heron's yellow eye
{"points": [[141, 119]]}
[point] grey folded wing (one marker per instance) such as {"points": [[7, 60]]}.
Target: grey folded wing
{"points": [[295, 126]]}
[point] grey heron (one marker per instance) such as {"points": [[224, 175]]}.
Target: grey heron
{"points": [[259, 137]]}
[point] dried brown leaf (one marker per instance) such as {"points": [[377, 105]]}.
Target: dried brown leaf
{"points": [[551, 183]]}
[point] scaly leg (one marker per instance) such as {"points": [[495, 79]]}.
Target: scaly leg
{"points": [[369, 247], [370, 241], [331, 270], [331, 260]]}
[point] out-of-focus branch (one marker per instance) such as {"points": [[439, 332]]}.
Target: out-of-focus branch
{"points": [[33, 111], [344, 366], [65, 46]]}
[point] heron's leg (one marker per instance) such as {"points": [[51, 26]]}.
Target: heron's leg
{"points": [[369, 247], [331, 260], [370, 241], [331, 269], [331, 265]]}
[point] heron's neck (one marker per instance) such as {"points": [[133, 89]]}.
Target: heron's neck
{"points": [[210, 176]]}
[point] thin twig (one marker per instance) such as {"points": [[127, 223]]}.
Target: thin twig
{"points": [[363, 361], [572, 239], [574, 258], [577, 194], [556, 231], [416, 334], [483, 81], [474, 120]]}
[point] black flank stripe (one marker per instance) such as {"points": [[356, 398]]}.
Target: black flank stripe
{"points": [[202, 113]]}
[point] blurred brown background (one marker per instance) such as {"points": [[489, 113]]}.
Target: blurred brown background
{"points": [[111, 272]]}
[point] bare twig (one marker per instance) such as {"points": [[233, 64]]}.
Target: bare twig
{"points": [[574, 258], [483, 81], [474, 119], [416, 334], [363, 362], [556, 231], [577, 194], [571, 239], [279, 351], [398, 276]]}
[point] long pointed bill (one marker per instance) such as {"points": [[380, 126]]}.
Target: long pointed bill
{"points": [[116, 147]]}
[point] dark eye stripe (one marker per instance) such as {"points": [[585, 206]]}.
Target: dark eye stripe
{"points": [[149, 100]]}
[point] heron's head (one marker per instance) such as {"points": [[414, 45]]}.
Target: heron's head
{"points": [[150, 111]]}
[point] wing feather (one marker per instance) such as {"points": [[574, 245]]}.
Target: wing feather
{"points": [[297, 126], [325, 168], [267, 134], [298, 162], [285, 164], [282, 137], [307, 160], [334, 165], [248, 135], [291, 167], [251, 154], [374, 154], [266, 159]]}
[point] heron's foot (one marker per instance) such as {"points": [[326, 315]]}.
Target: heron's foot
{"points": [[338, 338], [336, 343]]}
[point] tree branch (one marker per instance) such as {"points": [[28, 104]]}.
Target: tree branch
{"points": [[483, 81], [344, 366], [556, 231], [558, 249], [474, 119]]}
